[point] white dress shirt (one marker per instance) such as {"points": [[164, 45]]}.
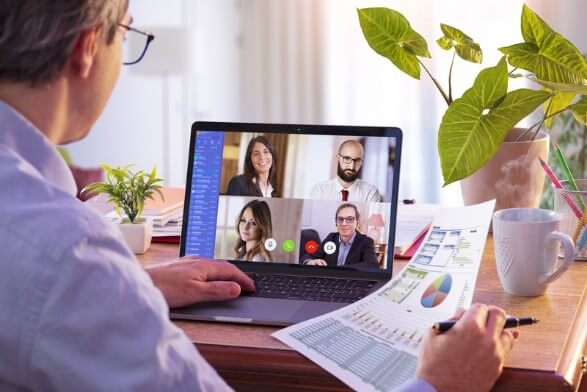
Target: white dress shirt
{"points": [[77, 311], [358, 191]]}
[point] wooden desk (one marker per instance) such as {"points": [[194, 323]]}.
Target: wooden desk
{"points": [[547, 357]]}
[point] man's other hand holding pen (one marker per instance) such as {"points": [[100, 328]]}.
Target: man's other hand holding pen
{"points": [[476, 345]]}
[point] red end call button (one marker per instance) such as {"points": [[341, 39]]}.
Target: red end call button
{"points": [[311, 246]]}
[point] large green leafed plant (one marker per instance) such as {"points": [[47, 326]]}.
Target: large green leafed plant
{"points": [[474, 126], [127, 190]]}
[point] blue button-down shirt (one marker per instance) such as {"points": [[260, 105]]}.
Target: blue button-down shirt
{"points": [[77, 311], [344, 248]]}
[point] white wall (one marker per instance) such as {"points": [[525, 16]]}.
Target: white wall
{"points": [[131, 129], [304, 61]]}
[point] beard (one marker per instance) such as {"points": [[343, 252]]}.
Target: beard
{"points": [[348, 175]]}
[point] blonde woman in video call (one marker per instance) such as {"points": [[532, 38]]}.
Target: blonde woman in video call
{"points": [[253, 228]]}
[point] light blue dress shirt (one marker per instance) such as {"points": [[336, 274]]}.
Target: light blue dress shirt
{"points": [[415, 385], [343, 249], [77, 311]]}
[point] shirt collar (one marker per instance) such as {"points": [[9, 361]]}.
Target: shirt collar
{"points": [[349, 242], [351, 187], [20, 136]]}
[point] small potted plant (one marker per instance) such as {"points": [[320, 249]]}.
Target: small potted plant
{"points": [[127, 192], [478, 127]]}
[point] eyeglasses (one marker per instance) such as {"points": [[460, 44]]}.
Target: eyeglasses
{"points": [[341, 219], [135, 45], [347, 160]]}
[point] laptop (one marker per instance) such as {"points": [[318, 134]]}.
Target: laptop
{"points": [[308, 250]]}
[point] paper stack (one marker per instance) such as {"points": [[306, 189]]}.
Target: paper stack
{"points": [[413, 222]]}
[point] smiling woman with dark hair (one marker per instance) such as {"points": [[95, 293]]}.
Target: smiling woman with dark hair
{"points": [[253, 227], [259, 177]]}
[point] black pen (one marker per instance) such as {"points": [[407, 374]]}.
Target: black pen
{"points": [[510, 322], [409, 201]]}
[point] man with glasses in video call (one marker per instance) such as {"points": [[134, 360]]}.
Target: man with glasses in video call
{"points": [[347, 186], [345, 247], [77, 310]]}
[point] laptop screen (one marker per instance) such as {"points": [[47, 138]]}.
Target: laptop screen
{"points": [[293, 197]]}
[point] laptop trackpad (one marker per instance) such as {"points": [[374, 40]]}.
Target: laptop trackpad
{"points": [[242, 310], [269, 311]]}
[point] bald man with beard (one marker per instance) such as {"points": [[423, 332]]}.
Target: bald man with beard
{"points": [[347, 186]]}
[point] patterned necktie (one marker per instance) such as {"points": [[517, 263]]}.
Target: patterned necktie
{"points": [[345, 195]]}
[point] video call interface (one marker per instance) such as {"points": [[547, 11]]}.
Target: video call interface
{"points": [[311, 200]]}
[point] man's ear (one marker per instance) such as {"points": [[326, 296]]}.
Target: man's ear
{"points": [[84, 52]]}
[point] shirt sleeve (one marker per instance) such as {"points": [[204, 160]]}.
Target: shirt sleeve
{"points": [[415, 385], [233, 187], [375, 196], [104, 326]]}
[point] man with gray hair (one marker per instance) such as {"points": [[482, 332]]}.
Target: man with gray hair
{"points": [[77, 311]]}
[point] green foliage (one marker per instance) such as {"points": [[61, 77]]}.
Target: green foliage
{"points": [[65, 155], [579, 110], [464, 46], [476, 124], [389, 33], [572, 141], [546, 53], [127, 190]]}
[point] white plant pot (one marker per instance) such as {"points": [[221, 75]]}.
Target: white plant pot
{"points": [[137, 235]]}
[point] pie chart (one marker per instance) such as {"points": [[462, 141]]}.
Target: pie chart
{"points": [[437, 291]]}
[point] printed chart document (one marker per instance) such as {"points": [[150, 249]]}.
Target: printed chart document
{"points": [[372, 344]]}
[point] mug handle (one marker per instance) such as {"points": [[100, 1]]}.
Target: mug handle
{"points": [[569, 248]]}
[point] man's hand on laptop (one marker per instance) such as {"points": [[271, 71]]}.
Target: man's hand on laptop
{"points": [[192, 279], [320, 262]]}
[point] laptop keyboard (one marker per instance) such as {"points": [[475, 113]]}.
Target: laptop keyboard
{"points": [[309, 288]]}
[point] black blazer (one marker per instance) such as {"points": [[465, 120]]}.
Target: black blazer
{"points": [[361, 255], [237, 186]]}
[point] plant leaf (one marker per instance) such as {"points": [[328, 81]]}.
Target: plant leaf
{"points": [[126, 190], [389, 33], [546, 53], [579, 110], [580, 89], [534, 29], [474, 125], [558, 102], [465, 47]]}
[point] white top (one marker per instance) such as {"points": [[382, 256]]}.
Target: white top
{"points": [[358, 191], [77, 311], [266, 190], [257, 258]]}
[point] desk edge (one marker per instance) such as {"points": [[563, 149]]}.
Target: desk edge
{"points": [[570, 363]]}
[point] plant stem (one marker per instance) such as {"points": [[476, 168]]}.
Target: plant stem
{"points": [[438, 86], [526, 131], [450, 76], [543, 119], [539, 123]]}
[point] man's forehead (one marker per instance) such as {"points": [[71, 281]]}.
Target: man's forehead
{"points": [[344, 211], [351, 148]]}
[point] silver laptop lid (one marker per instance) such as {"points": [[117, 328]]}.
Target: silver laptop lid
{"points": [[297, 199]]}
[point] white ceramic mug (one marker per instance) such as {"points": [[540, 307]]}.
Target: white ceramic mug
{"points": [[526, 242]]}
